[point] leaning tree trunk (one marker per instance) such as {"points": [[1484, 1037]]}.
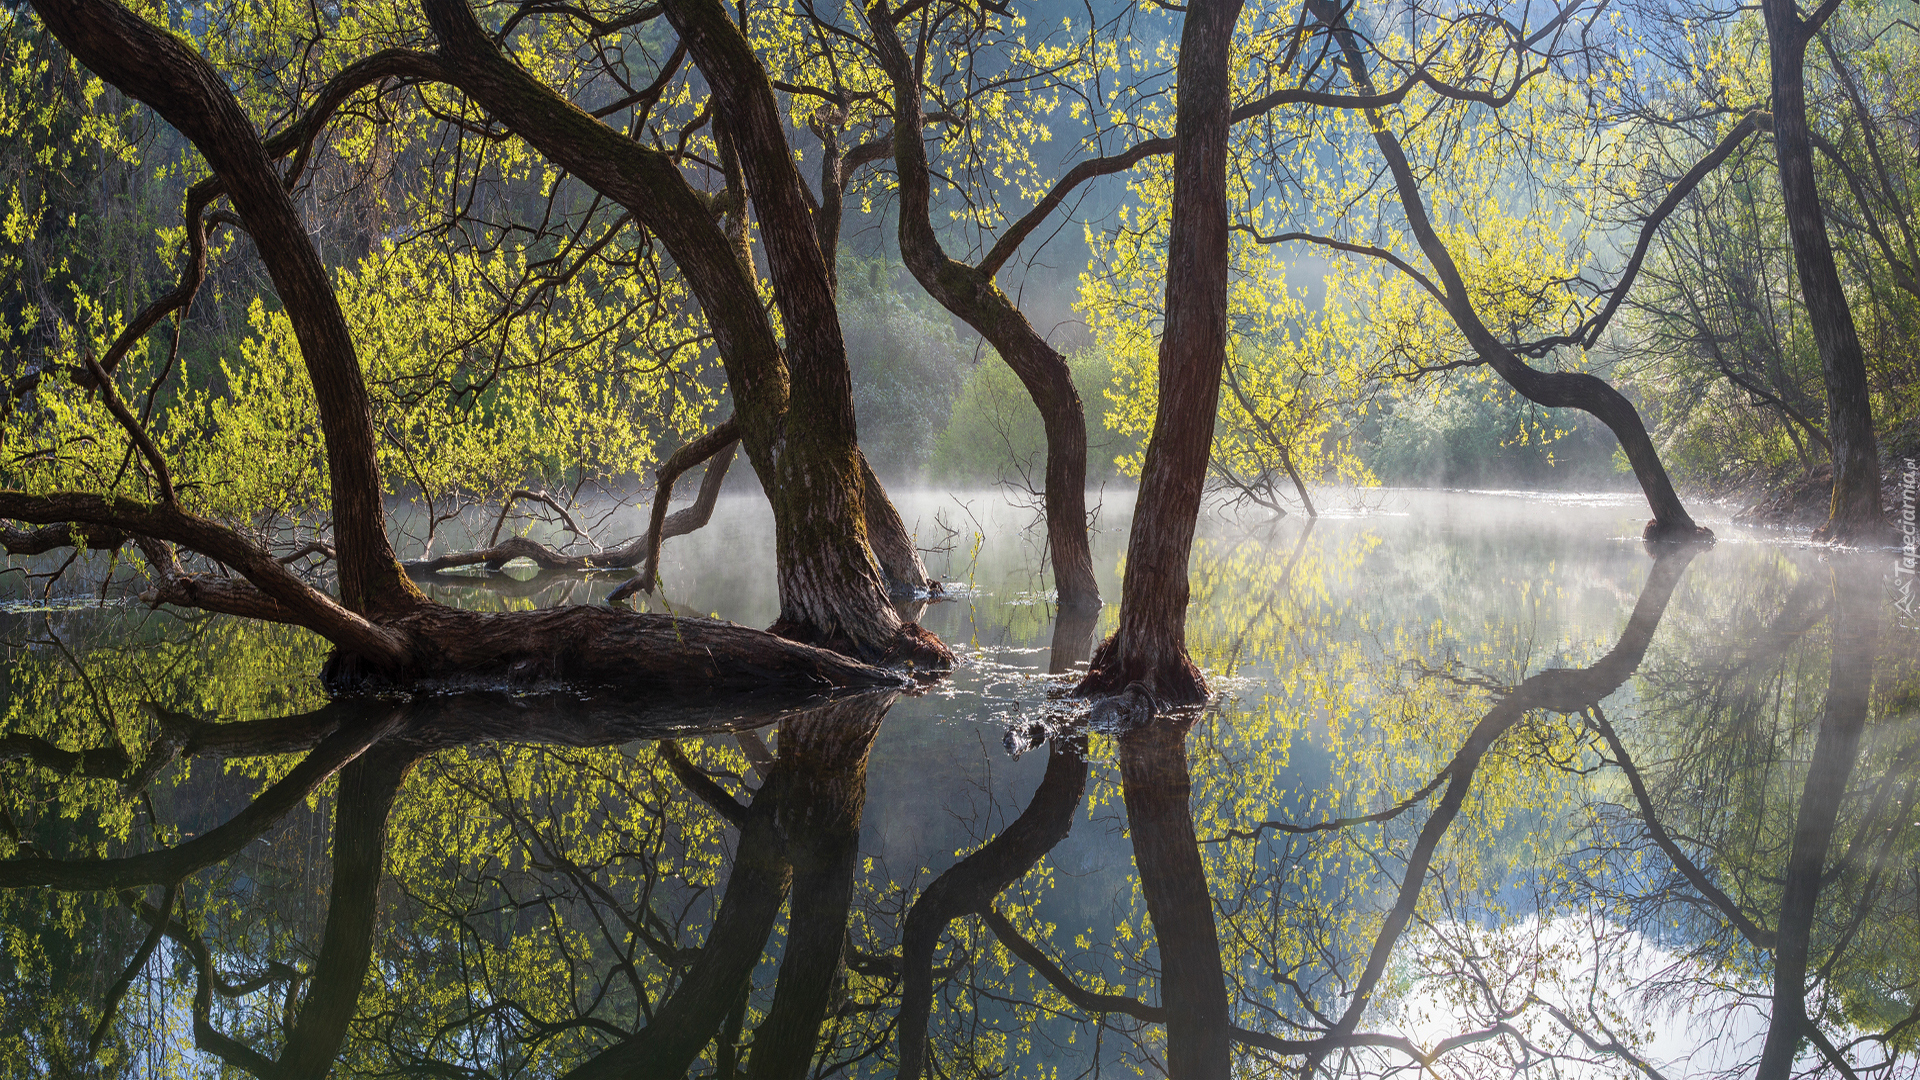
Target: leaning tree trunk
{"points": [[970, 293], [1149, 646], [1855, 512], [161, 71], [1552, 389]]}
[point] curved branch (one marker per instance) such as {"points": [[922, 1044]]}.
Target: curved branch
{"points": [[111, 398], [1758, 936], [134, 967], [163, 72], [221, 842], [711, 445], [1590, 333], [293, 599], [517, 494], [1354, 249], [701, 785], [972, 884], [1017, 233]]}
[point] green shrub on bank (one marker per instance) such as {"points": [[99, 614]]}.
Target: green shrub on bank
{"points": [[1467, 433], [995, 434]]}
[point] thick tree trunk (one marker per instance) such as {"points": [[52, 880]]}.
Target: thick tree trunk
{"points": [[970, 293], [1150, 645], [161, 71], [831, 590], [1855, 513], [685, 1023], [831, 586]]}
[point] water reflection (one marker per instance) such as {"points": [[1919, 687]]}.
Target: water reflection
{"points": [[1479, 798]]}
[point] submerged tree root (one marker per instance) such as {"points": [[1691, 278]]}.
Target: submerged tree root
{"points": [[913, 647], [1671, 533], [1174, 679]]}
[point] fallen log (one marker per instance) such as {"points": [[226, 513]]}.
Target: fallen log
{"points": [[591, 648]]}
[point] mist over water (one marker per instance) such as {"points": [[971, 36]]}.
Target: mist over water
{"points": [[549, 851]]}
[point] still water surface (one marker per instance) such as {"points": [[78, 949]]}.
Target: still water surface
{"points": [[1488, 785]]}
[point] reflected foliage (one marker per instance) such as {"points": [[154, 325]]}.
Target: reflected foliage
{"points": [[1474, 799]]}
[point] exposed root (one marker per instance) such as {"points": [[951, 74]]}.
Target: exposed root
{"points": [[1173, 681], [1668, 533], [913, 647]]}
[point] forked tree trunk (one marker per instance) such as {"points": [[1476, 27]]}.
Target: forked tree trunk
{"points": [[1552, 389], [1855, 513], [799, 836], [831, 588], [1150, 645]]}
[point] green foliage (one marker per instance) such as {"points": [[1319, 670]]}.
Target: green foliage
{"points": [[1472, 433], [995, 434], [1719, 339], [907, 365]]}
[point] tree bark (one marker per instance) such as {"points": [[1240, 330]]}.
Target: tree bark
{"points": [[970, 293], [601, 647], [161, 71], [900, 563], [830, 584], [1855, 513], [1149, 647], [831, 591]]}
